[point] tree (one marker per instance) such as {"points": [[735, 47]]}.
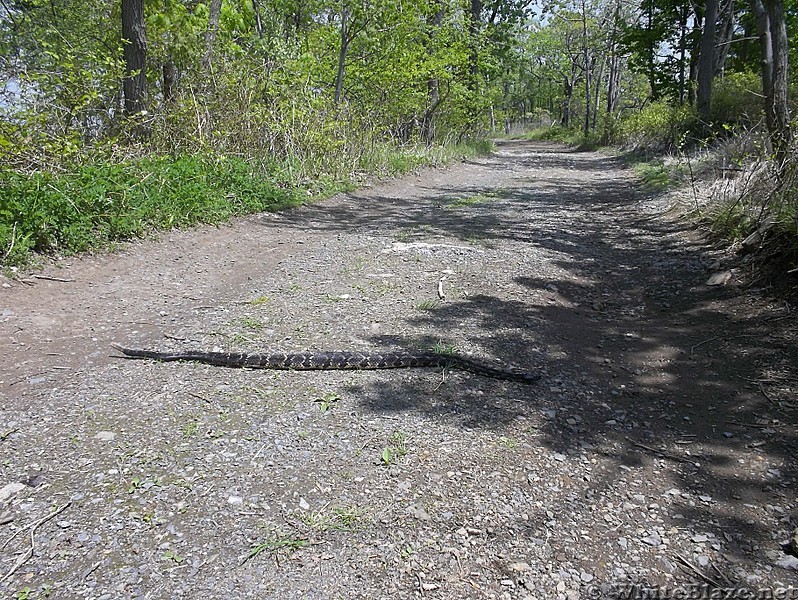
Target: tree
{"points": [[134, 38], [706, 60], [772, 29]]}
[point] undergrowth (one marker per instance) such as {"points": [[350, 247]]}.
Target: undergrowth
{"points": [[90, 206]]}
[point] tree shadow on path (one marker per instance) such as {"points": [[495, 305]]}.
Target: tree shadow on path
{"points": [[657, 365]]}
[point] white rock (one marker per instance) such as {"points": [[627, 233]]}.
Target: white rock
{"points": [[9, 491]]}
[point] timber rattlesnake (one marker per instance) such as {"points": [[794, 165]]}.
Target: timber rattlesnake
{"points": [[323, 361]]}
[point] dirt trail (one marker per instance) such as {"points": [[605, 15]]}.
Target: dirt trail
{"points": [[659, 447]]}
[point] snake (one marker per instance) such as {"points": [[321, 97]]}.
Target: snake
{"points": [[338, 360]]}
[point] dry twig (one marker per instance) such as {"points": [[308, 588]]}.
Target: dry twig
{"points": [[33, 527]]}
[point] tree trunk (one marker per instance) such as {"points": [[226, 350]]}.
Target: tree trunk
{"points": [[475, 14], [683, 75], [134, 38], [169, 81], [588, 69], [258, 19], [706, 60], [568, 88], [724, 35], [433, 86], [780, 134], [214, 13], [342, 52]]}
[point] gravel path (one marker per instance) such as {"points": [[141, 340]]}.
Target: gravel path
{"points": [[658, 449]]}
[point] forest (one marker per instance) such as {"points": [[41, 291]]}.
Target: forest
{"points": [[118, 118]]}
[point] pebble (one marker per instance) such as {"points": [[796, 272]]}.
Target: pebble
{"points": [[652, 540]]}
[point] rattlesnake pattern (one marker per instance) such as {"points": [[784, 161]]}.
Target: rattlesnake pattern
{"points": [[324, 361]]}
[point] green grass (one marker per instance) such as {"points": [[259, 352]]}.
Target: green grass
{"points": [[655, 177], [94, 205], [276, 544]]}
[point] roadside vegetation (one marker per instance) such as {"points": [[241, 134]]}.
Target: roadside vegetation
{"points": [[123, 117]]}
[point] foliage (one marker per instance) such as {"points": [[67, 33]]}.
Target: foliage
{"points": [[658, 127], [315, 96], [737, 99], [95, 204]]}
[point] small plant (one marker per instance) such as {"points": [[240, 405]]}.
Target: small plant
{"points": [[173, 556], [24, 594], [259, 301], [472, 200], [395, 449], [327, 400], [428, 304], [441, 348], [337, 519], [279, 542], [135, 484], [251, 322], [655, 177], [508, 443], [190, 429]]}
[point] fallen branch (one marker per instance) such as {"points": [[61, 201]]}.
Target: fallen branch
{"points": [[695, 570], [33, 527], [663, 454], [48, 278]]}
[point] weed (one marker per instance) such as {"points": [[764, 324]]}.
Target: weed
{"points": [[24, 594], [93, 205], [441, 348], [279, 542], [508, 443], [173, 556], [428, 304], [327, 401], [240, 338], [337, 519], [473, 200], [655, 177], [190, 429], [251, 322], [395, 449], [259, 301]]}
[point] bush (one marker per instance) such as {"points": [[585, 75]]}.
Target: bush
{"points": [[736, 99], [659, 127]]}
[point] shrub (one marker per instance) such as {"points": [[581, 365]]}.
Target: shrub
{"points": [[736, 99], [658, 127]]}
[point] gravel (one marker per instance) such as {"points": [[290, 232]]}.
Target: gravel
{"points": [[657, 450]]}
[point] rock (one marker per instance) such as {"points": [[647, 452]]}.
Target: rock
{"points": [[652, 540], [419, 512], [9, 491], [721, 278], [105, 436], [788, 562], [793, 543]]}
